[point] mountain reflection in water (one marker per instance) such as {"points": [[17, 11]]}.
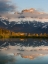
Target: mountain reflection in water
{"points": [[17, 51]]}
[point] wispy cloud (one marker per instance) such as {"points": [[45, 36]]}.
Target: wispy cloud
{"points": [[6, 6]]}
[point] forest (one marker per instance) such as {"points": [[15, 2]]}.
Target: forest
{"points": [[4, 33]]}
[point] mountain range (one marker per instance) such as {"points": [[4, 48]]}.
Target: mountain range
{"points": [[24, 26]]}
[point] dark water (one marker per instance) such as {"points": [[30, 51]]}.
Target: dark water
{"points": [[23, 51]]}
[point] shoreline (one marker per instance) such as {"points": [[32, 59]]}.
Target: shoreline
{"points": [[25, 37]]}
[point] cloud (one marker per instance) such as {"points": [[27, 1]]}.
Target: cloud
{"points": [[7, 58], [29, 14], [6, 6]]}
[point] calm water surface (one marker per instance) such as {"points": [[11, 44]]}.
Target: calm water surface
{"points": [[23, 51]]}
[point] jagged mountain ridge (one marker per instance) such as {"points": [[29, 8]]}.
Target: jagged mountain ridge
{"points": [[25, 26]]}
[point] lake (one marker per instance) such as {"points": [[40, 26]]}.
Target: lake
{"points": [[24, 51]]}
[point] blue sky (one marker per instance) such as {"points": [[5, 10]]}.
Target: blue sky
{"points": [[41, 5]]}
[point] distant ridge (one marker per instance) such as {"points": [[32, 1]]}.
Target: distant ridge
{"points": [[24, 26]]}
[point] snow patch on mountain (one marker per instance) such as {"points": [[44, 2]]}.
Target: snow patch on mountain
{"points": [[5, 23], [45, 26], [28, 19]]}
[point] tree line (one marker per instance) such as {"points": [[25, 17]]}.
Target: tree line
{"points": [[4, 33]]}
